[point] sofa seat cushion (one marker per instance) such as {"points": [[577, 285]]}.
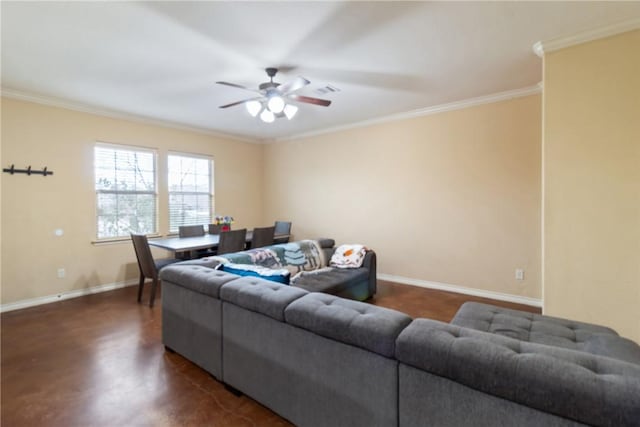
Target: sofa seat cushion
{"points": [[572, 384], [200, 279], [332, 281], [351, 322], [262, 296], [547, 330]]}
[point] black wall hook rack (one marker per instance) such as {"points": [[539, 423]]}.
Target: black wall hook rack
{"points": [[28, 171]]}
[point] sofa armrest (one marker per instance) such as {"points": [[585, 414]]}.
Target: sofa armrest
{"points": [[370, 263]]}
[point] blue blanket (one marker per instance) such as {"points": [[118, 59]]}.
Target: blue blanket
{"points": [[304, 255]]}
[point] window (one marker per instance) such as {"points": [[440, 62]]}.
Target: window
{"points": [[190, 190], [126, 198]]}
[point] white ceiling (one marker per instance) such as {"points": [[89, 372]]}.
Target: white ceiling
{"points": [[160, 60]]}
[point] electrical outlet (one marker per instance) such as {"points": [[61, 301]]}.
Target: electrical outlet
{"points": [[61, 273], [519, 274]]}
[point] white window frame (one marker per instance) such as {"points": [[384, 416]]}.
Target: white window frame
{"points": [[173, 228], [98, 192]]}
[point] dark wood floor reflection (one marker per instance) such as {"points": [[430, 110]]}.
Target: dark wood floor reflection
{"points": [[98, 360]]}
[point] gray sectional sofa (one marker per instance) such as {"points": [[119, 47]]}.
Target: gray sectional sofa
{"points": [[321, 360], [353, 283]]}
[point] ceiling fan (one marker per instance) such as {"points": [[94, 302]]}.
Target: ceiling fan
{"points": [[273, 96]]}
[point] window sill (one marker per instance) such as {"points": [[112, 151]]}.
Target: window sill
{"points": [[119, 240]]}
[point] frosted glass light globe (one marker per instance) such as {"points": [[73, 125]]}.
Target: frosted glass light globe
{"points": [[276, 104], [267, 116], [290, 111], [253, 107]]}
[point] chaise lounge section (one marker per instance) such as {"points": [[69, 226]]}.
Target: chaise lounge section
{"points": [[455, 376]]}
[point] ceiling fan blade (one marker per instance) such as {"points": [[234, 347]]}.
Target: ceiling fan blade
{"points": [[310, 100], [236, 86], [293, 85], [233, 104]]}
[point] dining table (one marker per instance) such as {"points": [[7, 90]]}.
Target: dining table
{"points": [[182, 247]]}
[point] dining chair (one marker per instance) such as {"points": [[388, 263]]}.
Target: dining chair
{"points": [[149, 268], [262, 236], [232, 241], [217, 228], [194, 231], [190, 230], [282, 227]]}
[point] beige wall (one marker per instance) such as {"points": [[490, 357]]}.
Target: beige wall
{"points": [[34, 206], [452, 197], [592, 183]]}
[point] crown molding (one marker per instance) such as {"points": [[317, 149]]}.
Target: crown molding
{"points": [[83, 108], [457, 105], [542, 47]]}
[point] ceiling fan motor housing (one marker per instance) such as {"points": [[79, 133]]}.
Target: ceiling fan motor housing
{"points": [[271, 72], [268, 85]]}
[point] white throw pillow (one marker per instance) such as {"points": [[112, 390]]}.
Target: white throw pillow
{"points": [[348, 256]]}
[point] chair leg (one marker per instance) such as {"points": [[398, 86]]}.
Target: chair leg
{"points": [[154, 285], [140, 286]]}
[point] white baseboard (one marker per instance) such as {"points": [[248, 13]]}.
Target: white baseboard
{"points": [[32, 302], [535, 302]]}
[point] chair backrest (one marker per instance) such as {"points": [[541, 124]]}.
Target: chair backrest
{"points": [[190, 230], [232, 241], [217, 228], [262, 236], [143, 253], [283, 227]]}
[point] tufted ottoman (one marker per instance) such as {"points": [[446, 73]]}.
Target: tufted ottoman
{"points": [[547, 330]]}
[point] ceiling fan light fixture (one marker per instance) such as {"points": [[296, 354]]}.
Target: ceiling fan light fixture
{"points": [[253, 107], [276, 104], [271, 104], [290, 111], [267, 116]]}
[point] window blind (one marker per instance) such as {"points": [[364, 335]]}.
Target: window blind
{"points": [[126, 196], [190, 190]]}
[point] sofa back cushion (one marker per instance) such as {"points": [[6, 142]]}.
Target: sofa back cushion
{"points": [[576, 385], [262, 296], [613, 346], [197, 278], [326, 243], [351, 322]]}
